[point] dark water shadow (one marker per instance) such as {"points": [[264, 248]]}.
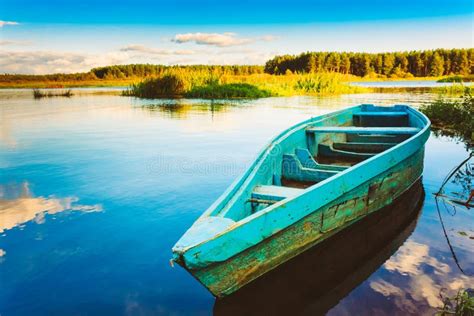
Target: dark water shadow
{"points": [[318, 279]]}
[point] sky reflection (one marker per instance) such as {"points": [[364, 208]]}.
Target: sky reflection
{"points": [[18, 206], [154, 170]]}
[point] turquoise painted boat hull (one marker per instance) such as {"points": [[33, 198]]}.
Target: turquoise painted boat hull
{"points": [[313, 180], [315, 281]]}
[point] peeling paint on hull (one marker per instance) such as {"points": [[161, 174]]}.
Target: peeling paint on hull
{"points": [[316, 280], [224, 278]]}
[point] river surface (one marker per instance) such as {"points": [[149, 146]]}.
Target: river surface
{"points": [[95, 190], [406, 84]]}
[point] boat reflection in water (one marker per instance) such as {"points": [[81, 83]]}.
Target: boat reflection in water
{"points": [[315, 281]]}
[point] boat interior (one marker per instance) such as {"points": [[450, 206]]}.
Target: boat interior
{"points": [[315, 151]]}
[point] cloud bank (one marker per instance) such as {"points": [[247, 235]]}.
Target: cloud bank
{"points": [[43, 62], [14, 43], [47, 62], [220, 48], [410, 288], [24, 207]]}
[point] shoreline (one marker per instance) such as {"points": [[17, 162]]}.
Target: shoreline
{"points": [[103, 83]]}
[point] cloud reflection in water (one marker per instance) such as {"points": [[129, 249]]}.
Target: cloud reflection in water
{"points": [[18, 206], [411, 261]]}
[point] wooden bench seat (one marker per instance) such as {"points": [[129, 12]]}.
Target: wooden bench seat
{"points": [[363, 147], [273, 192], [392, 114], [363, 130], [381, 119]]}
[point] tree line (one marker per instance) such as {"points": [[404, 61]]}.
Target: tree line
{"points": [[147, 70], [134, 71], [436, 62], [82, 76]]}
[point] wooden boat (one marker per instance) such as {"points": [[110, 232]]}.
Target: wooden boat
{"points": [[311, 181]]}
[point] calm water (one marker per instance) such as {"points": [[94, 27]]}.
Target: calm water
{"points": [[95, 190], [406, 84]]}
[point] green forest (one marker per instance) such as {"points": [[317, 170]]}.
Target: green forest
{"points": [[430, 63], [433, 63], [118, 72]]}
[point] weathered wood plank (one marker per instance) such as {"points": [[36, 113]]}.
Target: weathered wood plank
{"points": [[329, 151], [363, 130], [293, 169], [307, 161], [223, 278], [273, 192], [396, 114], [363, 147]]}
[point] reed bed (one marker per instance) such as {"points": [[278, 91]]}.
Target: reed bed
{"points": [[38, 94], [203, 84], [456, 89], [453, 116], [457, 78]]}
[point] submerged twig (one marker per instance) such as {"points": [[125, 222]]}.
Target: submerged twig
{"points": [[453, 172], [452, 202], [447, 239]]}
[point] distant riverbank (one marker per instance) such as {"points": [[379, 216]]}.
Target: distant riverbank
{"points": [[50, 84], [227, 82], [273, 86], [41, 83]]}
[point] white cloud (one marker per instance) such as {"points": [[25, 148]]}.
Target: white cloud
{"points": [[213, 39], [24, 207], [47, 62], [239, 57], [385, 288], [409, 259], [154, 51], [14, 43], [399, 296], [269, 38], [3, 23], [418, 292], [43, 62], [5, 43], [183, 61]]}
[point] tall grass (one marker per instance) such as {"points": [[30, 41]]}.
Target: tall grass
{"points": [[38, 94], [329, 83], [228, 91], [203, 84], [461, 304], [454, 117], [457, 78], [456, 89], [171, 84]]}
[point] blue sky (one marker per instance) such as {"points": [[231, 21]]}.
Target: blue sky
{"points": [[70, 36]]}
